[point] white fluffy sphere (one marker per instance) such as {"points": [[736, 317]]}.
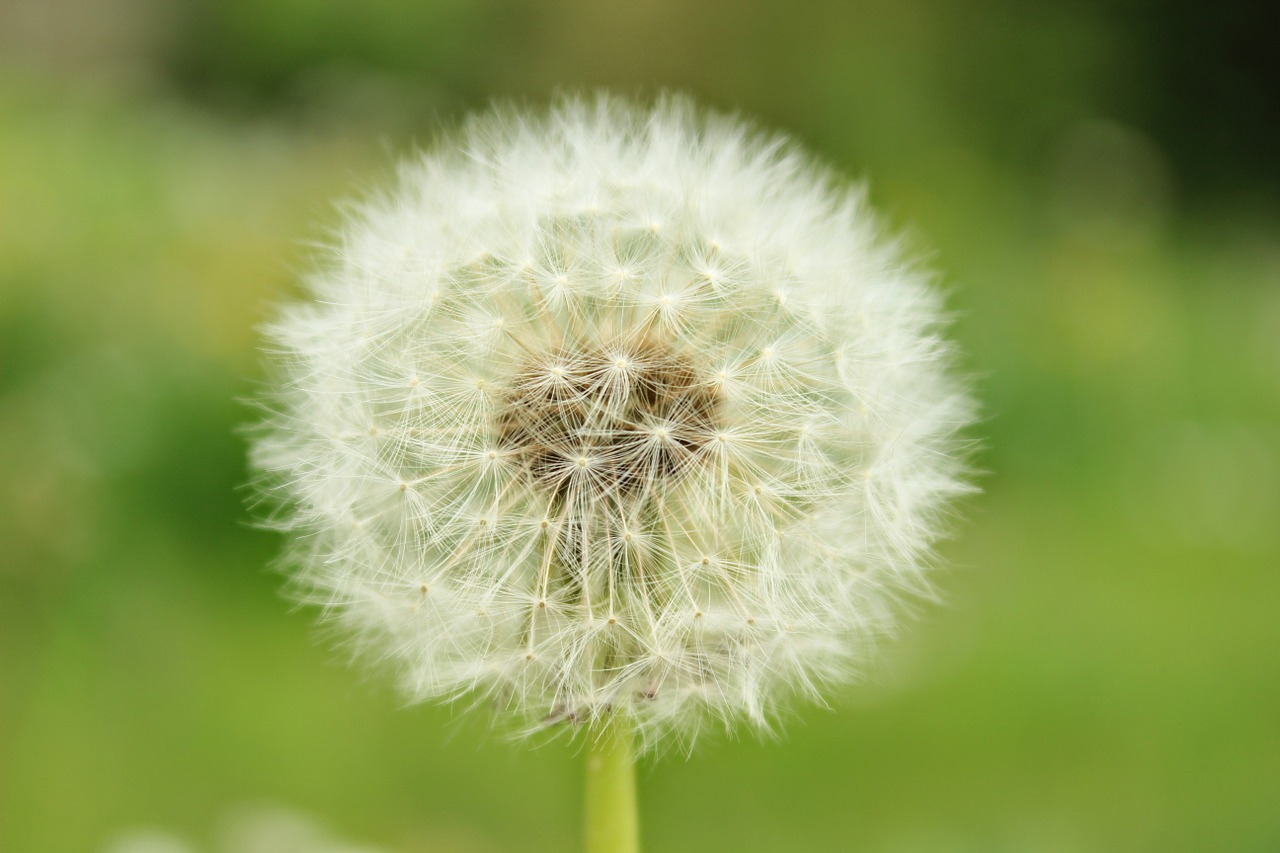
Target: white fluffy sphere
{"points": [[614, 410]]}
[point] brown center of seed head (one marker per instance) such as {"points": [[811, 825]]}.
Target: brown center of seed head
{"points": [[607, 421]]}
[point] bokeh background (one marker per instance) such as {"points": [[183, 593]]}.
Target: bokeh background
{"points": [[1097, 183]]}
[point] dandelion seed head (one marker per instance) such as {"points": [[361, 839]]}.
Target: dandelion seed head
{"points": [[614, 410]]}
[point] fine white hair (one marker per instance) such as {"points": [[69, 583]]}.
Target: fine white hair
{"points": [[614, 409]]}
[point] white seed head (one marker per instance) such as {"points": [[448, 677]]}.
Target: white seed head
{"points": [[614, 410]]}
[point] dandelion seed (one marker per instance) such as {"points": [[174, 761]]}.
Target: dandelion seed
{"points": [[653, 359]]}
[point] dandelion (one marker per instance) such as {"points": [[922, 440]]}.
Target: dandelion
{"points": [[617, 418]]}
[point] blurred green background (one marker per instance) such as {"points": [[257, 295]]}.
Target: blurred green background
{"points": [[1097, 184]]}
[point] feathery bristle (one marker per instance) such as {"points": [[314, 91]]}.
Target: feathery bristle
{"points": [[614, 410]]}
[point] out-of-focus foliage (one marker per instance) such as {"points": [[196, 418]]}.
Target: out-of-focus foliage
{"points": [[1104, 675]]}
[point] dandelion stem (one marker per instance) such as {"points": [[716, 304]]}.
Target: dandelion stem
{"points": [[612, 825]]}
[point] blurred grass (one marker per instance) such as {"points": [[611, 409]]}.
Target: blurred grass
{"points": [[1104, 676]]}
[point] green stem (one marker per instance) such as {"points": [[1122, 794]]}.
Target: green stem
{"points": [[612, 825]]}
